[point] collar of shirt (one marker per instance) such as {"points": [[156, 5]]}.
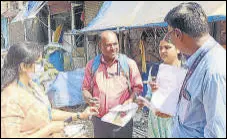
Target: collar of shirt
{"points": [[193, 57], [104, 62]]}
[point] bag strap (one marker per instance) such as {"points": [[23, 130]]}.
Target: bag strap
{"points": [[123, 62]]}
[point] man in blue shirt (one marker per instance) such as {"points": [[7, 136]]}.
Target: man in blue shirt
{"points": [[201, 108]]}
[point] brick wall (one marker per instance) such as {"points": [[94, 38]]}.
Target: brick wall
{"points": [[91, 10]]}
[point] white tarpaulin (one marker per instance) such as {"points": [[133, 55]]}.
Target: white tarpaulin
{"points": [[139, 13]]}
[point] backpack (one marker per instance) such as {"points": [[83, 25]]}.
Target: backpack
{"points": [[123, 65]]}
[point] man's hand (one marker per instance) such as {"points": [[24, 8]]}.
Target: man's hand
{"points": [[87, 96], [140, 103], [89, 111], [130, 100], [94, 102]]}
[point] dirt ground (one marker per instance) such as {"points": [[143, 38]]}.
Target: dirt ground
{"points": [[139, 121]]}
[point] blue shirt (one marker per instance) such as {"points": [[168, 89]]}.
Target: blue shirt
{"points": [[204, 115]]}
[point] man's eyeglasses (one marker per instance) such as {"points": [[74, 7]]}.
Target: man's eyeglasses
{"points": [[168, 37]]}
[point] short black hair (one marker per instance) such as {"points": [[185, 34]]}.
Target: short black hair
{"points": [[189, 18]]}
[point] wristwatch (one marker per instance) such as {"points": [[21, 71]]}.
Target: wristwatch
{"points": [[78, 115]]}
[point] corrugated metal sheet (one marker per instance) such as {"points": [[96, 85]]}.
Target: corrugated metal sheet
{"points": [[57, 7]]}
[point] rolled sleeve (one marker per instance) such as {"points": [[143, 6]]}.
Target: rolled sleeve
{"points": [[214, 100]]}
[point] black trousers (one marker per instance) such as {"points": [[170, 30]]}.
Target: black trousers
{"points": [[107, 130]]}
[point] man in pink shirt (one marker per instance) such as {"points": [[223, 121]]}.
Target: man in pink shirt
{"points": [[110, 86]]}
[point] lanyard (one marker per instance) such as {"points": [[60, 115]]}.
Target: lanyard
{"points": [[37, 96], [186, 95]]}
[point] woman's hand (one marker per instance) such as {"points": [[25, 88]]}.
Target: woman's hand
{"points": [[56, 127], [154, 86], [162, 115], [89, 111]]}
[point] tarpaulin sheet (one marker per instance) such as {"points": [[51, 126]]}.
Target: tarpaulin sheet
{"points": [[114, 14], [67, 89]]}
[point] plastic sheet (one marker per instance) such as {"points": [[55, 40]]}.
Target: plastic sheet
{"points": [[66, 89]]}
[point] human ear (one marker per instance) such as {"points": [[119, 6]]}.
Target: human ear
{"points": [[22, 67], [178, 34]]}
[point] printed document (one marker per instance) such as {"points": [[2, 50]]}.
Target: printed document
{"points": [[120, 115]]}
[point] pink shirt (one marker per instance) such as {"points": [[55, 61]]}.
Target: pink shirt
{"points": [[110, 88]]}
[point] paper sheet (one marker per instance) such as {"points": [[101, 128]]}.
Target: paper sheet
{"points": [[72, 130], [120, 115]]}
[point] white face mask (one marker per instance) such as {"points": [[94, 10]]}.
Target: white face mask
{"points": [[39, 69], [32, 76]]}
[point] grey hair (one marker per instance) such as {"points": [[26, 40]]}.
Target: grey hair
{"points": [[190, 18]]}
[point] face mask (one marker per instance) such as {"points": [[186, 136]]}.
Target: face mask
{"points": [[39, 69], [32, 76]]}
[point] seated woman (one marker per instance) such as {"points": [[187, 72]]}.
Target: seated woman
{"points": [[159, 124], [25, 109]]}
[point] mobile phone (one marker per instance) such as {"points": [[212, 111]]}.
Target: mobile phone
{"points": [[93, 101]]}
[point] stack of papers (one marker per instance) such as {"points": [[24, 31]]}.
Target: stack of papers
{"points": [[120, 115]]}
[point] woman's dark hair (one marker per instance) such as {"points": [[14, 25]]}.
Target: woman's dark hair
{"points": [[23, 52]]}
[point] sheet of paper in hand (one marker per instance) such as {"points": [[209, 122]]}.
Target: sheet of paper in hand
{"points": [[120, 115], [169, 80]]}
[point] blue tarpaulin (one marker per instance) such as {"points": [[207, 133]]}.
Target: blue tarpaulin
{"points": [[57, 59], [66, 90], [4, 32]]}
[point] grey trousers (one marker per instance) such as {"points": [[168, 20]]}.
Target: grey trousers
{"points": [[107, 130]]}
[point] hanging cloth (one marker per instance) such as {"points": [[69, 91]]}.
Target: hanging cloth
{"points": [[142, 50]]}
